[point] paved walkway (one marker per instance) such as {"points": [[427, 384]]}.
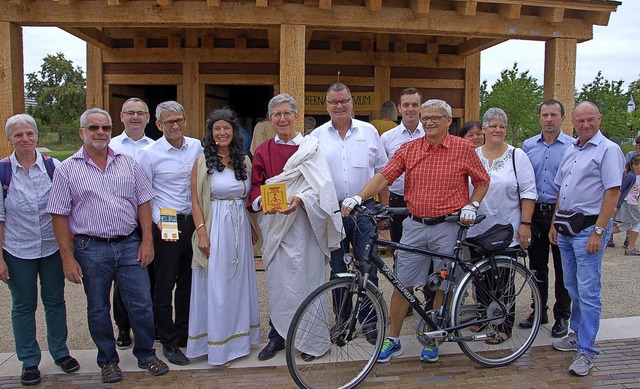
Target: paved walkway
{"points": [[618, 366]]}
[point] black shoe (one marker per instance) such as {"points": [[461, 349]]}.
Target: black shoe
{"points": [[308, 357], [124, 339], [560, 328], [370, 333], [610, 243], [155, 366], [68, 364], [269, 351], [529, 322], [174, 355], [30, 376]]}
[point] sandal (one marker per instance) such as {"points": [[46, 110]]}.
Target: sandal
{"points": [[499, 338]]}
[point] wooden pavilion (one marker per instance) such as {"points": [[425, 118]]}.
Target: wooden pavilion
{"points": [[211, 53]]}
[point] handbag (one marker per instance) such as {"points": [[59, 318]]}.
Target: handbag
{"points": [[497, 238], [569, 223]]}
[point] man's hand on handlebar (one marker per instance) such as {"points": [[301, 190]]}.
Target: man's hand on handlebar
{"points": [[348, 204], [468, 214]]}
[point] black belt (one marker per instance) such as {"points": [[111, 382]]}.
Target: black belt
{"points": [[545, 207], [185, 218], [113, 239], [430, 221]]}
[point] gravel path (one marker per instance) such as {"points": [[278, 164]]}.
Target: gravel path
{"points": [[619, 293]]}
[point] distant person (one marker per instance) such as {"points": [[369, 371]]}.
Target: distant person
{"points": [[247, 138], [135, 117], [472, 131], [224, 318], [588, 181], [309, 124], [106, 246], [634, 151], [387, 119], [261, 132], [167, 163], [29, 250], [627, 215]]}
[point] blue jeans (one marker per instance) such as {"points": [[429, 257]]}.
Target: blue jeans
{"points": [[582, 278], [357, 233], [101, 264], [23, 285]]}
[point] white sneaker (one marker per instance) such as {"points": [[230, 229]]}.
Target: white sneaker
{"points": [[581, 364], [568, 343]]}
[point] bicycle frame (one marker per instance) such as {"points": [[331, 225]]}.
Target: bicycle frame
{"points": [[443, 330]]}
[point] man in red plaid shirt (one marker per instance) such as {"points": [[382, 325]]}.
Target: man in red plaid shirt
{"points": [[437, 169]]}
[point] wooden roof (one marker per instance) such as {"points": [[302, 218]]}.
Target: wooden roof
{"points": [[458, 27]]}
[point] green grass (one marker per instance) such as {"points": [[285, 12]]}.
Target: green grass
{"points": [[60, 150]]}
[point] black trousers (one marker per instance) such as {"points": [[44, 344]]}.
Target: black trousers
{"points": [[395, 225], [539, 263], [172, 268]]}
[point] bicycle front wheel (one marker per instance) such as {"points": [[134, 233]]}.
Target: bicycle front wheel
{"points": [[499, 340], [321, 350]]}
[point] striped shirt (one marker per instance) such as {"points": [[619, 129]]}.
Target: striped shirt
{"points": [[99, 203], [436, 177]]}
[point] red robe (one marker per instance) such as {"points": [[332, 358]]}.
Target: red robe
{"points": [[268, 161]]}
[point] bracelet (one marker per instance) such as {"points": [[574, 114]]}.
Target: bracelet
{"points": [[525, 223], [200, 226]]}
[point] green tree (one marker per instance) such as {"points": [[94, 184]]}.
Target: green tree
{"points": [[634, 117], [519, 95], [612, 101], [59, 90]]}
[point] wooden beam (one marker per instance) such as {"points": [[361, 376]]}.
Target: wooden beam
{"points": [[174, 42], [347, 80], [472, 87], [400, 47], [95, 75], [560, 74], [239, 79], [11, 77], [509, 11], [476, 45], [191, 37], [324, 4], [213, 3], [191, 98], [382, 42], [466, 7], [420, 6], [262, 3], [112, 3], [274, 38], [373, 5], [64, 2], [552, 15], [139, 42], [597, 18], [92, 36], [382, 81], [335, 45], [241, 43], [165, 3], [425, 83], [367, 46], [292, 66]]}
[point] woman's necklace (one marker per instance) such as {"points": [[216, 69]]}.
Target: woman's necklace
{"points": [[223, 155]]}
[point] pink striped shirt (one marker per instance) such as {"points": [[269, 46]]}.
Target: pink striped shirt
{"points": [[102, 204]]}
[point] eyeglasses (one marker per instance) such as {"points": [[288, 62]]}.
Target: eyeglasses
{"points": [[95, 127], [134, 113], [286, 114], [336, 102], [496, 126], [170, 123], [434, 119]]}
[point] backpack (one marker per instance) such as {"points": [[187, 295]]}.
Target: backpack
{"points": [[6, 173]]}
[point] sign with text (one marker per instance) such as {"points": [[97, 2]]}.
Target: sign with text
{"points": [[362, 101]]}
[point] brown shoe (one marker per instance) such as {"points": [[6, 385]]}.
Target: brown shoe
{"points": [[111, 373], [155, 366]]}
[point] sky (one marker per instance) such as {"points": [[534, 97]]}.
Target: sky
{"points": [[613, 49]]}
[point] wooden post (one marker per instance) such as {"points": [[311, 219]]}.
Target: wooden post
{"points": [[472, 87], [292, 65], [96, 90], [11, 77], [560, 75], [192, 97], [382, 84]]}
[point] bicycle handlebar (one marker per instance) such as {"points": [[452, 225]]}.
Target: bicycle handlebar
{"points": [[381, 212]]}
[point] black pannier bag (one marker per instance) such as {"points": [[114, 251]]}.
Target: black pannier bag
{"points": [[497, 238]]}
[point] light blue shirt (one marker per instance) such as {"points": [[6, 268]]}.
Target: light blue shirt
{"points": [[169, 170], [392, 140], [28, 233], [586, 172], [545, 159]]}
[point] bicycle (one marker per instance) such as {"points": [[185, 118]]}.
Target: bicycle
{"points": [[326, 343]]}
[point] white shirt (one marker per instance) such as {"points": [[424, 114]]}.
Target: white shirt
{"points": [[354, 160], [392, 140], [28, 233], [125, 145], [256, 206], [169, 170]]}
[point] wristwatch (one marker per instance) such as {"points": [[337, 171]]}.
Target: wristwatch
{"points": [[598, 230], [475, 204]]}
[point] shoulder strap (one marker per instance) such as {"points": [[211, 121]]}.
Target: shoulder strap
{"points": [[49, 165], [515, 172], [5, 175]]}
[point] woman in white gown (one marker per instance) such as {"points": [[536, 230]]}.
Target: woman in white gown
{"points": [[224, 316]]}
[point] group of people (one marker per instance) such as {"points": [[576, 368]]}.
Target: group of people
{"points": [[97, 221]]}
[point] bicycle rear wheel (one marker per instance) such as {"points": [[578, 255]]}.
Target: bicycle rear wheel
{"points": [[500, 341], [319, 355]]}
